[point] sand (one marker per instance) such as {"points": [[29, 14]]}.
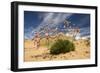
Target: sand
{"points": [[31, 53]]}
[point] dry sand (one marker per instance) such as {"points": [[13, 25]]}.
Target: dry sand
{"points": [[82, 51]]}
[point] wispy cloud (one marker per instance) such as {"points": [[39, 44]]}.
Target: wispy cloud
{"points": [[50, 20], [85, 31]]}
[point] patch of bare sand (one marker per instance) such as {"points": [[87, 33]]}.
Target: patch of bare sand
{"points": [[82, 51]]}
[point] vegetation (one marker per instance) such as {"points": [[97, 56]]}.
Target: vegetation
{"points": [[61, 46]]}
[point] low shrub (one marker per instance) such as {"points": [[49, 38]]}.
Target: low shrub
{"points": [[62, 46]]}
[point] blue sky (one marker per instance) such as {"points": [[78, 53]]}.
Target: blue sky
{"points": [[35, 21]]}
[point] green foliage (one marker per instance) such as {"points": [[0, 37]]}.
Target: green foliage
{"points": [[62, 46]]}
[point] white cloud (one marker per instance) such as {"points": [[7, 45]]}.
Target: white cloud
{"points": [[85, 31], [50, 19]]}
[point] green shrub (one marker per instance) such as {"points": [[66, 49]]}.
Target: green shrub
{"points": [[62, 46]]}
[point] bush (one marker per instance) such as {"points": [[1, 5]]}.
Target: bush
{"points": [[61, 46]]}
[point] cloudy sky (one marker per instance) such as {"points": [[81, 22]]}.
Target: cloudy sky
{"points": [[35, 21]]}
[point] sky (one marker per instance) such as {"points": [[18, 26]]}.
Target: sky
{"points": [[37, 21]]}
